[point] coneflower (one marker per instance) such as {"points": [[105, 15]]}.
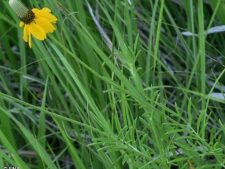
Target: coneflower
{"points": [[35, 22]]}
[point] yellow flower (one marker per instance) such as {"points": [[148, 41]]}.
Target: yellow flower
{"points": [[36, 22], [39, 26]]}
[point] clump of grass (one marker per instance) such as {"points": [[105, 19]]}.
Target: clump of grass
{"points": [[117, 85]]}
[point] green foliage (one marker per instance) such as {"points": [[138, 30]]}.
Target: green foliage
{"points": [[116, 86]]}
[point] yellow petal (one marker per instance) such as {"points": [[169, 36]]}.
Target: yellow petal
{"points": [[44, 13], [45, 24], [21, 24], [46, 9], [36, 10], [30, 44], [26, 32], [48, 16], [37, 31], [43, 10]]}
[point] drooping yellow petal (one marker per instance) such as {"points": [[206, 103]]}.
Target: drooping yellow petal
{"points": [[26, 32], [37, 31], [29, 42], [45, 24], [21, 24]]}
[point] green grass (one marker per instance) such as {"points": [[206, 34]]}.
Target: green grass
{"points": [[116, 86]]}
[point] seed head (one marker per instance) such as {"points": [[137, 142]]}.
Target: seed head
{"points": [[19, 8]]}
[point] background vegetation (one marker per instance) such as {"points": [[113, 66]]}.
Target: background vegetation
{"points": [[117, 86]]}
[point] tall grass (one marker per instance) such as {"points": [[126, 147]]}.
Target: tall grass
{"points": [[117, 85]]}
